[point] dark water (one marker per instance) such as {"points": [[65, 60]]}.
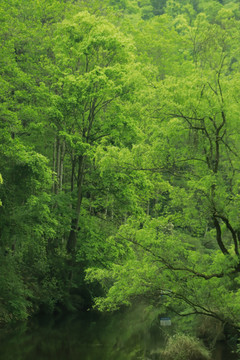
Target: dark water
{"points": [[89, 336]]}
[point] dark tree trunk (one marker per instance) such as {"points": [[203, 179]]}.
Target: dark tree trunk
{"points": [[72, 239]]}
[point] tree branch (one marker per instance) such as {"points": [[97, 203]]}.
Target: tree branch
{"points": [[219, 236], [174, 268], [233, 232]]}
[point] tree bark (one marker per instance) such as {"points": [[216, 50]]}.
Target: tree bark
{"points": [[72, 239]]}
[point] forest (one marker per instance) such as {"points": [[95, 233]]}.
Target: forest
{"points": [[119, 156]]}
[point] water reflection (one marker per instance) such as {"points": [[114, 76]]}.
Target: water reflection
{"points": [[89, 336]]}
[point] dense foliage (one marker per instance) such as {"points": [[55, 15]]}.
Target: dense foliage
{"points": [[119, 156]]}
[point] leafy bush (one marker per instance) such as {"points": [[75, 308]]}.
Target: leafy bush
{"points": [[183, 347], [13, 293]]}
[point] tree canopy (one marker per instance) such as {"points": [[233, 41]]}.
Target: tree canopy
{"points": [[119, 156]]}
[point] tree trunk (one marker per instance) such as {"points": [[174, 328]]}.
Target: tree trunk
{"points": [[54, 165], [72, 239], [62, 149], [58, 164]]}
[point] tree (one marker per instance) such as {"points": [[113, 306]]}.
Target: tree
{"points": [[92, 62], [190, 237], [25, 226]]}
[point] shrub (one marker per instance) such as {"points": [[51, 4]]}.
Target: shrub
{"points": [[183, 347]]}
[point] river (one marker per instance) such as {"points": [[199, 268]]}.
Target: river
{"points": [[87, 336]]}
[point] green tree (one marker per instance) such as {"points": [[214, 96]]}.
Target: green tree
{"points": [[92, 76], [25, 215], [190, 237]]}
